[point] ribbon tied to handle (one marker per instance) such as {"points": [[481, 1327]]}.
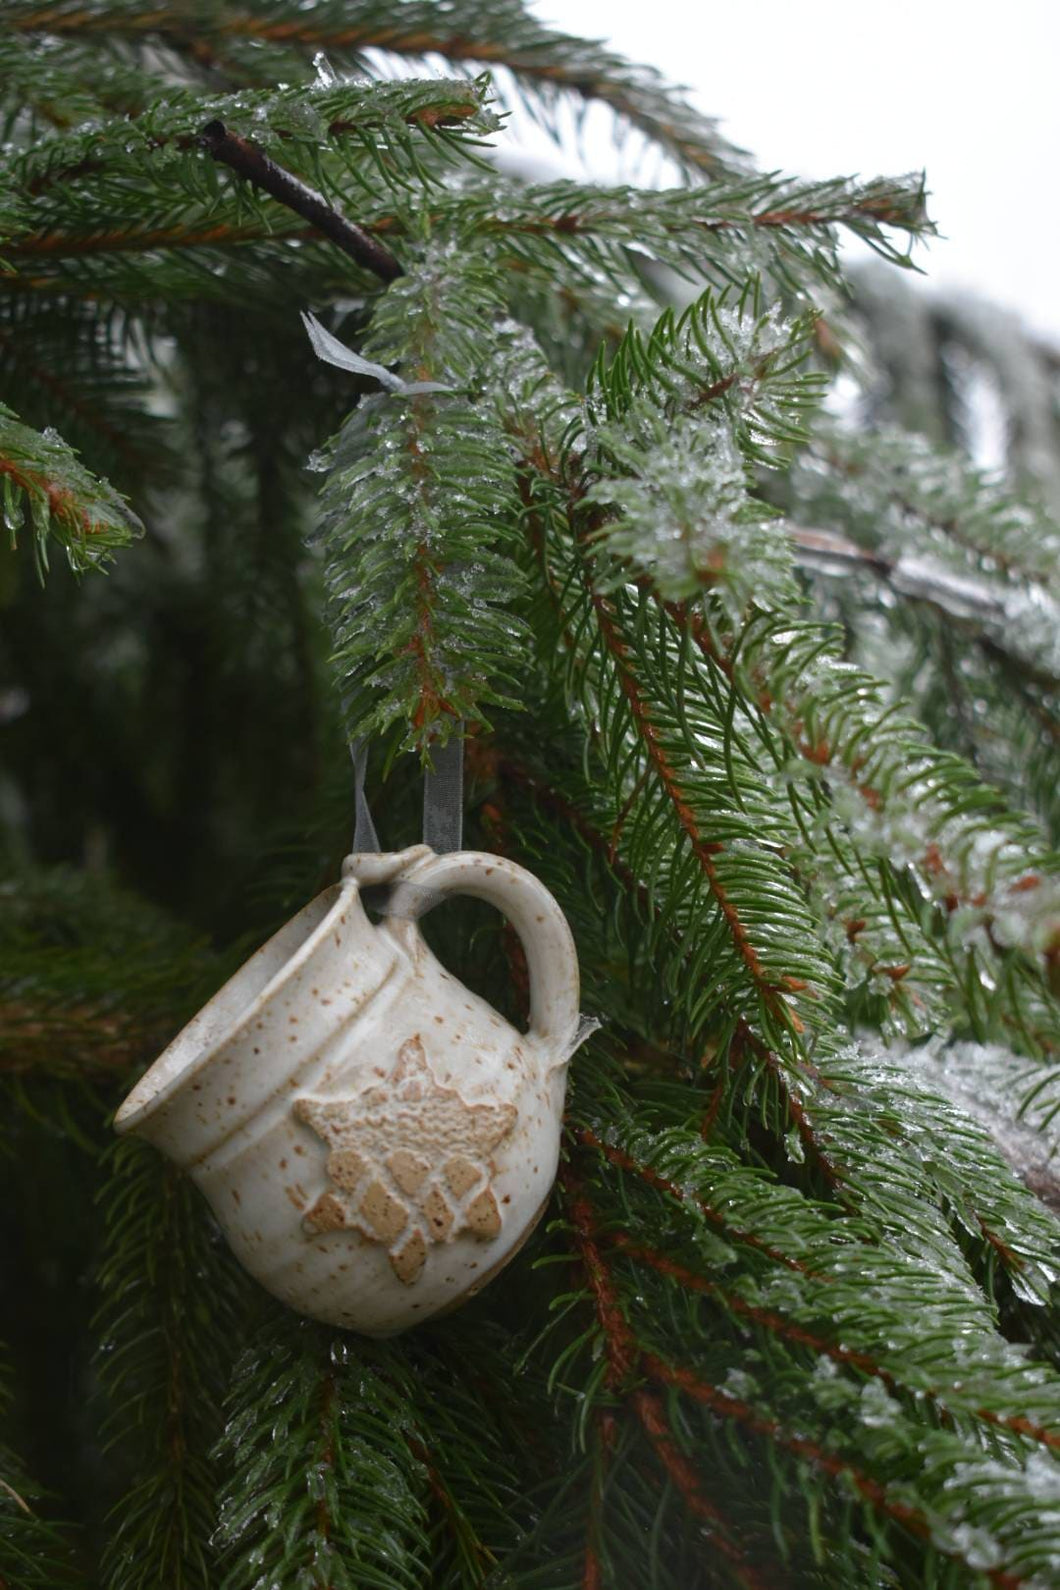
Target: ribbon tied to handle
{"points": [[443, 799]]}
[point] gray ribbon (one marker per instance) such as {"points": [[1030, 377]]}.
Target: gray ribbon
{"points": [[332, 351], [443, 799], [365, 838]]}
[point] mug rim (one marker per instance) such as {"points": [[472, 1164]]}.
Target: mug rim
{"points": [[131, 1112]]}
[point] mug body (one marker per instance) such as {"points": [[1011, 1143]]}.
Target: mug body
{"points": [[374, 1139], [262, 1030]]}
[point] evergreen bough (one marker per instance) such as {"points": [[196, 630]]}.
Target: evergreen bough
{"points": [[764, 686]]}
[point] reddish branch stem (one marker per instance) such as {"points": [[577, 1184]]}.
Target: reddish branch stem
{"points": [[624, 1358], [703, 849], [734, 1408], [789, 1330], [61, 503], [645, 1173], [432, 703], [508, 768], [65, 244]]}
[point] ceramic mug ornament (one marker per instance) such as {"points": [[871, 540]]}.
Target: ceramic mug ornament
{"points": [[374, 1139]]}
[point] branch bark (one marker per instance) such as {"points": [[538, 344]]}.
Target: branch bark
{"points": [[250, 162]]}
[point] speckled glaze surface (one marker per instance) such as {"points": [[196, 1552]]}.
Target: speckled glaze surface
{"points": [[375, 1140]]}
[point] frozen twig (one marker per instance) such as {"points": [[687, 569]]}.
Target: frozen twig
{"points": [[248, 161]]}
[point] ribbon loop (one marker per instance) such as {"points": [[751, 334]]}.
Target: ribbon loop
{"points": [[365, 837], [443, 799]]}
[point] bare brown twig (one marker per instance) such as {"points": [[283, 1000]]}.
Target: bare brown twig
{"points": [[250, 162]]}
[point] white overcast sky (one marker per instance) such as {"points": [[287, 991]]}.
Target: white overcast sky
{"points": [[970, 91]]}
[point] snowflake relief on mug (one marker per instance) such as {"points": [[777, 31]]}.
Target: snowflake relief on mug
{"points": [[408, 1162]]}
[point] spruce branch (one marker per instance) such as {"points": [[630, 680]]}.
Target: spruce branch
{"points": [[724, 842], [36, 1552], [419, 516], [817, 1100], [705, 850], [644, 1315], [769, 698], [863, 1179], [319, 1435], [714, 1215], [946, 537], [172, 225], [429, 123], [727, 232], [822, 1123], [249, 162], [626, 1357], [102, 993], [66, 503], [935, 526], [876, 1495], [506, 37], [818, 703], [953, 1403], [730, 687], [968, 603], [164, 1359], [623, 1367]]}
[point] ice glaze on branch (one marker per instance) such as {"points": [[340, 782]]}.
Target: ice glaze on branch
{"points": [[788, 1329], [873, 1492], [646, 1173], [630, 1323], [957, 598], [66, 502]]}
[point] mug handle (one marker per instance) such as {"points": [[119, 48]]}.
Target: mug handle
{"points": [[533, 913]]}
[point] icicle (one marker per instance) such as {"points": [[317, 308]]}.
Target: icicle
{"points": [[327, 76]]}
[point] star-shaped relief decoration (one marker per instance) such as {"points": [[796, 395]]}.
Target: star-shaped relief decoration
{"points": [[409, 1162]]}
